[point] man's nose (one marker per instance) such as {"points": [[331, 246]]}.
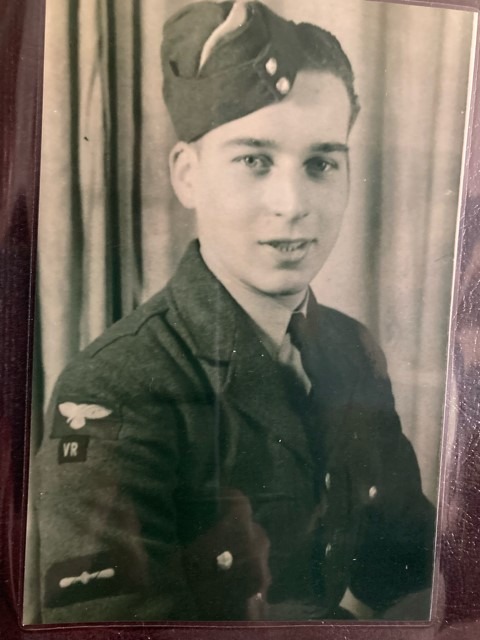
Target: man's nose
{"points": [[286, 196]]}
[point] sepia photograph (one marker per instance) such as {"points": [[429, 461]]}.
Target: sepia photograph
{"points": [[247, 234]]}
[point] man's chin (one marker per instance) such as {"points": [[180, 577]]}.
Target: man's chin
{"points": [[285, 290]]}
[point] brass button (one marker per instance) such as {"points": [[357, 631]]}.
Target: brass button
{"points": [[271, 66], [372, 492], [283, 85], [328, 550], [225, 561], [328, 481]]}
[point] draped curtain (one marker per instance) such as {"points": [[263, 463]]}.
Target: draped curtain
{"points": [[111, 230]]}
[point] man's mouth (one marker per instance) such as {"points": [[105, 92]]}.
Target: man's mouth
{"points": [[289, 246]]}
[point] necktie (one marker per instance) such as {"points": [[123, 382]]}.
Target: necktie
{"points": [[302, 338]]}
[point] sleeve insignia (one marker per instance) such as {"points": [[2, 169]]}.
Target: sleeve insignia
{"points": [[73, 449], [74, 419], [78, 414], [84, 578]]}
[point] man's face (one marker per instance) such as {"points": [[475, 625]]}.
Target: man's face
{"points": [[270, 189]]}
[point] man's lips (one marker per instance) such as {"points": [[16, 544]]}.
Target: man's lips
{"points": [[288, 245]]}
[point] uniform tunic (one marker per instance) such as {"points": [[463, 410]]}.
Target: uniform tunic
{"points": [[176, 478]]}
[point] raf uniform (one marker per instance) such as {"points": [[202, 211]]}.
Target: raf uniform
{"points": [[188, 473], [192, 416]]}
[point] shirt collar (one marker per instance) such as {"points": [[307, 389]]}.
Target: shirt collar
{"points": [[269, 313]]}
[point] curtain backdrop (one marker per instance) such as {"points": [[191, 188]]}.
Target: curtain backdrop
{"points": [[111, 231]]}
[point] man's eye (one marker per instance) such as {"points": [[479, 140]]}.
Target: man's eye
{"points": [[257, 163], [319, 166]]}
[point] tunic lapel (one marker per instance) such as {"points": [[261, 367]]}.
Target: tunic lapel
{"points": [[257, 387], [240, 369], [337, 376]]}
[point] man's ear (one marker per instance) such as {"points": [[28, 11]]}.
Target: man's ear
{"points": [[183, 161]]}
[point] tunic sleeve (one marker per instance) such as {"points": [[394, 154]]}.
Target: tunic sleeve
{"points": [[107, 472], [394, 551]]}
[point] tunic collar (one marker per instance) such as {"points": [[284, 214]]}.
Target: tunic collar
{"points": [[270, 314]]}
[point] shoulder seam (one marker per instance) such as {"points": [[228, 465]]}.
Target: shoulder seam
{"points": [[126, 334]]}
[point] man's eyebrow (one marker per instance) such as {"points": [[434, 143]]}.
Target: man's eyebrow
{"points": [[329, 147], [256, 143]]}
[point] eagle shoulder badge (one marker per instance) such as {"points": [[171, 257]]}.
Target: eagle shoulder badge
{"points": [[89, 419], [78, 414]]}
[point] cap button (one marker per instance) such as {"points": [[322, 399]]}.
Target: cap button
{"points": [[271, 66], [224, 561], [283, 85]]}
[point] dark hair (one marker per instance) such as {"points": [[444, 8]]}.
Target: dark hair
{"points": [[322, 52]]}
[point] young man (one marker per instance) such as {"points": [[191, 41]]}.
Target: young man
{"points": [[231, 450]]}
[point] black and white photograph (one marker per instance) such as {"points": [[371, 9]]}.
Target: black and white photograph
{"points": [[247, 233]]}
